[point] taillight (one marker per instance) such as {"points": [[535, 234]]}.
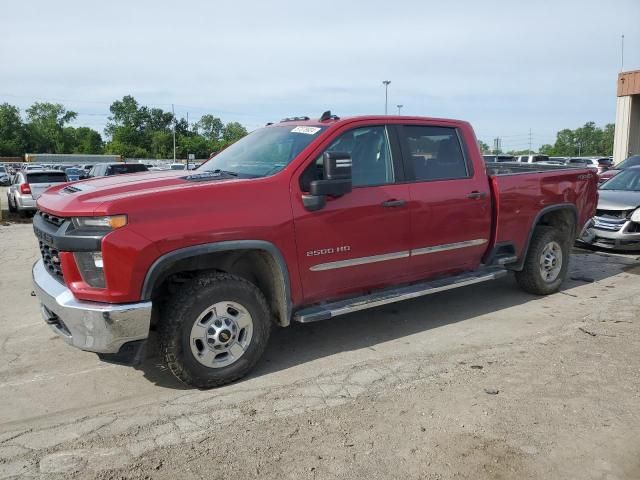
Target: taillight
{"points": [[25, 188]]}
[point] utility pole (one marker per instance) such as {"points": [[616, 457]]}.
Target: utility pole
{"points": [[622, 53], [173, 112], [187, 129], [399, 108], [530, 152], [386, 94]]}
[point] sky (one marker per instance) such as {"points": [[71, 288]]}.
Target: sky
{"points": [[508, 67]]}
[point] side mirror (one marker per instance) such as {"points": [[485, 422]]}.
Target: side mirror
{"points": [[337, 175]]}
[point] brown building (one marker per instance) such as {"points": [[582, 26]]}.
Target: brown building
{"points": [[627, 136]]}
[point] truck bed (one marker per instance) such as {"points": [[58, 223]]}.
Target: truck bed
{"points": [[524, 191], [515, 168]]}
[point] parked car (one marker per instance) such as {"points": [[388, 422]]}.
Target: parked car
{"points": [[177, 166], [27, 167], [107, 169], [4, 176], [498, 158], [533, 158], [303, 220], [616, 224], [73, 174], [632, 161], [27, 187], [599, 164]]}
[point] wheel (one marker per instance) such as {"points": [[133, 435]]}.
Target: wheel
{"points": [[547, 262], [12, 208], [214, 330]]}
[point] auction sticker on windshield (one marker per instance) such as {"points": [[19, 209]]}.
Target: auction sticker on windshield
{"points": [[307, 130]]}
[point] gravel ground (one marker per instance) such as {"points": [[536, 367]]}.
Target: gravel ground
{"points": [[481, 382]]}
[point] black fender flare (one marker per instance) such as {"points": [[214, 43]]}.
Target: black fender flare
{"points": [[157, 272], [551, 208]]}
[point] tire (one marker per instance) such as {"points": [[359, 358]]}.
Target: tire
{"points": [[547, 262], [12, 208], [206, 312]]}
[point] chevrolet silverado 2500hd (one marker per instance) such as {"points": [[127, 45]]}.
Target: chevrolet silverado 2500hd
{"points": [[303, 220]]}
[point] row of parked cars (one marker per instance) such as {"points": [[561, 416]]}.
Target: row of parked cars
{"points": [[28, 183], [598, 163]]}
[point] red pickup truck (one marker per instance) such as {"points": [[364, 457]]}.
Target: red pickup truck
{"points": [[303, 220]]}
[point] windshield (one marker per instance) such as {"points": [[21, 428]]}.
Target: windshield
{"points": [[46, 177], [126, 168], [263, 152], [73, 171], [628, 180], [629, 162], [2, 170]]}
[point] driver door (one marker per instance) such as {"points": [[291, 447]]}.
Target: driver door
{"points": [[359, 241]]}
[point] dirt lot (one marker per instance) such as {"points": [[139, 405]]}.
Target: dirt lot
{"points": [[484, 382]]}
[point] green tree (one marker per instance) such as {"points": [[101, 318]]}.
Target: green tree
{"points": [[233, 132], [45, 127], [484, 148], [12, 131], [210, 127], [84, 140]]}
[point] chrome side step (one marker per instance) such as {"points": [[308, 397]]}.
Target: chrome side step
{"points": [[382, 297]]}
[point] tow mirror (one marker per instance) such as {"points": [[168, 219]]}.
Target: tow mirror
{"points": [[337, 175], [336, 181]]}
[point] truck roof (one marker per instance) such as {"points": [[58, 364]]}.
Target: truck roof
{"points": [[332, 120]]}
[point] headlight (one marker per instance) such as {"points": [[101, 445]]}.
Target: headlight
{"points": [[635, 216], [90, 266], [100, 223]]}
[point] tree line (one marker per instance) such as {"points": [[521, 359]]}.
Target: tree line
{"points": [[132, 130], [587, 141]]}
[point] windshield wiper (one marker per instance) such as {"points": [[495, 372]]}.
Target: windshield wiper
{"points": [[210, 175]]}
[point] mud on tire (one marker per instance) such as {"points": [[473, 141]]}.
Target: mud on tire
{"points": [[194, 303], [540, 275]]}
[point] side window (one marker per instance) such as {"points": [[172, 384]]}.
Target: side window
{"points": [[370, 152], [435, 153]]}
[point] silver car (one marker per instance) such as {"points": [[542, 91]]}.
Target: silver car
{"points": [[27, 187], [617, 221], [4, 176]]}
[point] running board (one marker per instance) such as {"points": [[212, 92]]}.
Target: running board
{"points": [[382, 297]]}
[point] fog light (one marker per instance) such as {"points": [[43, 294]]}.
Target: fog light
{"points": [[90, 266]]}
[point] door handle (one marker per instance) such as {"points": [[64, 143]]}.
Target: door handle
{"points": [[476, 195], [394, 203]]}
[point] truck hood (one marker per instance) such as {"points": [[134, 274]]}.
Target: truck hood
{"points": [[86, 197], [618, 200]]}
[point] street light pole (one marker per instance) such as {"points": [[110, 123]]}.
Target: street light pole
{"points": [[399, 108], [386, 94]]}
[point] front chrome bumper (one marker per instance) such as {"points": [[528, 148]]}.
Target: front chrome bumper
{"points": [[619, 239], [92, 326]]}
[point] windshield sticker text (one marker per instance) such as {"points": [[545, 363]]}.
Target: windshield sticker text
{"points": [[306, 130]]}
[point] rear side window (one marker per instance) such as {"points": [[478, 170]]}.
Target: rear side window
{"points": [[126, 168], [46, 177], [435, 153]]}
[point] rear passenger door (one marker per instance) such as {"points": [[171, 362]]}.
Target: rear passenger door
{"points": [[450, 210]]}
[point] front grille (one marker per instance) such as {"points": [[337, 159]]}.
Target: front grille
{"points": [[619, 214], [52, 219], [51, 259]]}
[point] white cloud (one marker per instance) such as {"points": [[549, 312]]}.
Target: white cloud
{"points": [[505, 66]]}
